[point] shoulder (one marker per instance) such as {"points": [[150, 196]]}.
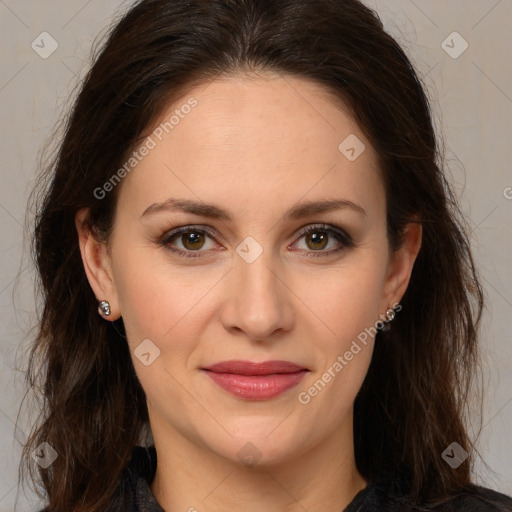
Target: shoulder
{"points": [[476, 499], [480, 499], [385, 494]]}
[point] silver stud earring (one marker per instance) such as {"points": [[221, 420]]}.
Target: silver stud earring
{"points": [[104, 308], [390, 315]]}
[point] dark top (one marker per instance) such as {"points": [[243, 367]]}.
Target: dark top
{"points": [[135, 495]]}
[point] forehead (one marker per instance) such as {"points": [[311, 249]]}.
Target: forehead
{"points": [[252, 141]]}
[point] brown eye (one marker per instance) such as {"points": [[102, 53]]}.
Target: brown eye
{"points": [[318, 240], [192, 240], [188, 241]]}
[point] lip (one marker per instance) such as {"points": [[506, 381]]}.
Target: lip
{"points": [[256, 381], [249, 368]]}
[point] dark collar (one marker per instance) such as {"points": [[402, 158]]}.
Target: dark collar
{"points": [[135, 493]]}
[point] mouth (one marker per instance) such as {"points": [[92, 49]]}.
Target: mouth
{"points": [[255, 381]]}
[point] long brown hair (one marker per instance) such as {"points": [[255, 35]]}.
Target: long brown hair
{"points": [[415, 400]]}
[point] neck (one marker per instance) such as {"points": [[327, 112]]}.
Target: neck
{"points": [[189, 476]]}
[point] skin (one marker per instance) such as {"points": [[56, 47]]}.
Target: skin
{"points": [[256, 146]]}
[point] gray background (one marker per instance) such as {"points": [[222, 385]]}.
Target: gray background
{"points": [[472, 99]]}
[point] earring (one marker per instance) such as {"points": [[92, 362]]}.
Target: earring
{"points": [[104, 308], [390, 315]]}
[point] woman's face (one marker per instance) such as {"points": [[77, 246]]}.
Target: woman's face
{"points": [[257, 158]]}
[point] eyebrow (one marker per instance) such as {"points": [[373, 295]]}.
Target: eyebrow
{"points": [[209, 210]]}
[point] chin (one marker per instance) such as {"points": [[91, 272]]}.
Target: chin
{"points": [[258, 451]]}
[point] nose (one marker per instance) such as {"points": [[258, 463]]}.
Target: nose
{"points": [[258, 303]]}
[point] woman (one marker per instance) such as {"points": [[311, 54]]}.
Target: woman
{"points": [[254, 271]]}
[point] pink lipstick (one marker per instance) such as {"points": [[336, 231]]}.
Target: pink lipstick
{"points": [[256, 381]]}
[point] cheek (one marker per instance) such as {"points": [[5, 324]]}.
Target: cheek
{"points": [[159, 300], [166, 305], [345, 299], [344, 356], [343, 308]]}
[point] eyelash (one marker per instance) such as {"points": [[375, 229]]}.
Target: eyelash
{"points": [[338, 234]]}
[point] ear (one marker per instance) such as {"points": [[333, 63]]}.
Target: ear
{"points": [[400, 266], [97, 265]]}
